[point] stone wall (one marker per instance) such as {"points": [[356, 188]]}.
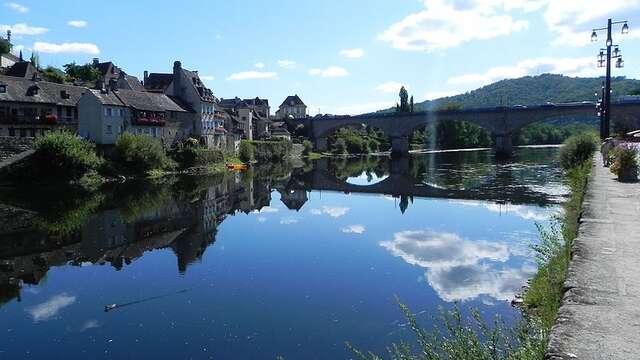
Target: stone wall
{"points": [[11, 146]]}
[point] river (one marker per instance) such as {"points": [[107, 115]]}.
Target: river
{"points": [[279, 261]]}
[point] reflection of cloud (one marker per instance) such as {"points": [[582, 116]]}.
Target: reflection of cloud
{"points": [[267, 209], [261, 219], [353, 229], [51, 307], [459, 269], [521, 211], [332, 211], [288, 221], [89, 324]]}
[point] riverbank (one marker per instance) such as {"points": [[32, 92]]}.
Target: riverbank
{"points": [[600, 317]]}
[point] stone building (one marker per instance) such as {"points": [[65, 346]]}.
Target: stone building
{"points": [[111, 73], [30, 108], [250, 117], [292, 106], [187, 86]]}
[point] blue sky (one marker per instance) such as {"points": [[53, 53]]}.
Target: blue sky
{"points": [[339, 56]]}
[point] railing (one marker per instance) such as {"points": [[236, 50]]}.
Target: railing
{"points": [[150, 121]]}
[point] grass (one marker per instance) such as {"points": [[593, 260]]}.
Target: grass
{"points": [[314, 156]]}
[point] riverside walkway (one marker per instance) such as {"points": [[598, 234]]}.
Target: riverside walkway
{"points": [[600, 315]]}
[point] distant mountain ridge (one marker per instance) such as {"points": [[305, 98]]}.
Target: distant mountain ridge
{"points": [[532, 90]]}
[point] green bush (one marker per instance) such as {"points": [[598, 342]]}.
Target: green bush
{"points": [[339, 147], [63, 156], [577, 149], [272, 150], [247, 151], [189, 156], [140, 154], [308, 147], [625, 160]]}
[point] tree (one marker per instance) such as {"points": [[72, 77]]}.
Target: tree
{"points": [[84, 72], [635, 91], [404, 100], [5, 47], [35, 60], [53, 74]]}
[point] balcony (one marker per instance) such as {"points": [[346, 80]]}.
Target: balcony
{"points": [[29, 119], [150, 120]]}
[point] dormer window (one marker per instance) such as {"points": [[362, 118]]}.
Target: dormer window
{"points": [[3, 88], [33, 90], [64, 94]]}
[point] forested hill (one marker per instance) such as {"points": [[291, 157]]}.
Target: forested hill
{"points": [[534, 90]]}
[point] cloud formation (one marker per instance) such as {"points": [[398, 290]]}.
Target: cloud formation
{"points": [[578, 67], [446, 24], [287, 64], [353, 229], [288, 221], [66, 48], [51, 308], [352, 53], [333, 211], [251, 75], [23, 29], [258, 65], [390, 87], [77, 23], [17, 7], [330, 72], [459, 269]]}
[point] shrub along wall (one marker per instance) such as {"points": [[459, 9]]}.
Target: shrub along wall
{"points": [[269, 150]]}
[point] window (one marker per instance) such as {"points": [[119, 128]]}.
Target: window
{"points": [[109, 130], [139, 131], [3, 89], [155, 132], [12, 132], [109, 111]]}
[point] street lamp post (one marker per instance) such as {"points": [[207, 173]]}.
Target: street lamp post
{"points": [[604, 60]]}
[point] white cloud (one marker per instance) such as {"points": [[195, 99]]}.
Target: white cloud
{"points": [[287, 64], [432, 95], [259, 65], [288, 221], [459, 269], [89, 324], [50, 308], [390, 87], [250, 75], [261, 219], [267, 209], [207, 77], [77, 23], [330, 72], [333, 211], [353, 229], [66, 48], [23, 29], [580, 67], [352, 53], [521, 211], [444, 24], [572, 21], [17, 7]]}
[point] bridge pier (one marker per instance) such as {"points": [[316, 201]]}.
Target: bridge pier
{"points": [[399, 145], [504, 145], [322, 144]]}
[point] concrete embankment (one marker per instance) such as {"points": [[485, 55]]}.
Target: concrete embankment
{"points": [[600, 315]]}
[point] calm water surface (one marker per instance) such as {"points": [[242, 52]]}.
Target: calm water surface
{"points": [[281, 261]]}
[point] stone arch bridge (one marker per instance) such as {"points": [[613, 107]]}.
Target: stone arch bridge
{"points": [[501, 122]]}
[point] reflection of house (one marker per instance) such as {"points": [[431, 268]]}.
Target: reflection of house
{"points": [[29, 108], [292, 106], [187, 86], [294, 199]]}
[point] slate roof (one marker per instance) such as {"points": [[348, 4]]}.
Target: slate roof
{"points": [[292, 101], [23, 69], [49, 93], [235, 103], [257, 102], [158, 82], [147, 101], [205, 93], [107, 98], [134, 83]]}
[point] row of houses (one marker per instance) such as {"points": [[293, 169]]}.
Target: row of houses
{"points": [[169, 106]]}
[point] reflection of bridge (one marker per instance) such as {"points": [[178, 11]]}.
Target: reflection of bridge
{"points": [[400, 183], [501, 122]]}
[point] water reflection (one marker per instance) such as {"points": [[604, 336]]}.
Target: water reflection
{"points": [[308, 235]]}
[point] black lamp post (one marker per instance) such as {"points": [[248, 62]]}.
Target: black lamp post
{"points": [[604, 60]]}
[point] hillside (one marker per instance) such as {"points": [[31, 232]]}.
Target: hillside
{"points": [[534, 90]]}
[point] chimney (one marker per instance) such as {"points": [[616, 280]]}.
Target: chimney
{"points": [[9, 36], [146, 77], [177, 79], [96, 61]]}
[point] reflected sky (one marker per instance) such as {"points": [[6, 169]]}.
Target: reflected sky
{"points": [[278, 262]]}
